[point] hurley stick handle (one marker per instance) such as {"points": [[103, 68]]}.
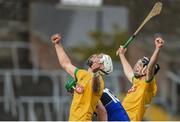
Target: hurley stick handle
{"points": [[129, 41]]}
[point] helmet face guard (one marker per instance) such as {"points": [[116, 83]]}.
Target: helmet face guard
{"points": [[145, 61]]}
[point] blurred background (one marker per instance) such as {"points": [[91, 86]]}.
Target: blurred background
{"points": [[31, 79]]}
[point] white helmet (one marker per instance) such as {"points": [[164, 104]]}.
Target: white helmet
{"points": [[107, 62]]}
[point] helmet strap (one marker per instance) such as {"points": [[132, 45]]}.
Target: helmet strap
{"points": [[143, 70], [104, 72]]}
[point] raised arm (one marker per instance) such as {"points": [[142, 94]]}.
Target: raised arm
{"points": [[62, 56], [126, 66], [159, 42]]}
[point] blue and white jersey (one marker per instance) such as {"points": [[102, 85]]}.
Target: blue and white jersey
{"points": [[113, 107]]}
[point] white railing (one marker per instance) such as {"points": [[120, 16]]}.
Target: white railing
{"points": [[60, 100], [13, 103]]}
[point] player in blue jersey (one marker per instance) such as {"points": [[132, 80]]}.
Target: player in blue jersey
{"points": [[111, 106]]}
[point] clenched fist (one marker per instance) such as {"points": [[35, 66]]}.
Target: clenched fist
{"points": [[121, 50], [159, 42], [56, 38]]}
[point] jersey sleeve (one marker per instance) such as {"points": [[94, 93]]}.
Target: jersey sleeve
{"points": [[133, 77]]}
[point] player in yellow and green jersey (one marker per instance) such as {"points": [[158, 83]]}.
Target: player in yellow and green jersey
{"points": [[88, 84], [142, 77]]}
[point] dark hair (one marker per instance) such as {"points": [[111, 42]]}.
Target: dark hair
{"points": [[96, 84], [89, 62], [146, 60]]}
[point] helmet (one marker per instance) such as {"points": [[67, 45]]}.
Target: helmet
{"points": [[107, 62], [157, 68], [146, 60]]}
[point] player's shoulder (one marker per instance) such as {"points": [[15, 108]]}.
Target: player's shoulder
{"points": [[81, 73]]}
